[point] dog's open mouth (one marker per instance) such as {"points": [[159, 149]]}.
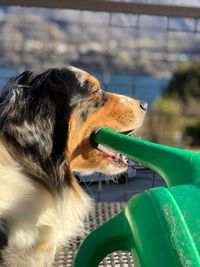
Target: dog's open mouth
{"points": [[113, 156]]}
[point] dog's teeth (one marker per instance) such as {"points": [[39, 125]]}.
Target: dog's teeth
{"points": [[124, 158], [119, 156], [133, 134]]}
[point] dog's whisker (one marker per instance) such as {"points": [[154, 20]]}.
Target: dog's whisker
{"points": [[88, 188], [111, 178]]}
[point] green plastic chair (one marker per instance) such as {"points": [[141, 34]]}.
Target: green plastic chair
{"points": [[161, 226]]}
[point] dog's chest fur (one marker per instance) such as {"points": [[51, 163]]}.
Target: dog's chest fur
{"points": [[53, 219]]}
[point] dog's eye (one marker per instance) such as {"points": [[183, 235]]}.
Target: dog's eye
{"points": [[98, 90]]}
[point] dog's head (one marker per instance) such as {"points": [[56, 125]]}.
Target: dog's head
{"points": [[47, 118], [100, 109]]}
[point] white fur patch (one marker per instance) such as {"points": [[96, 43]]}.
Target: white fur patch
{"points": [[64, 219], [80, 74], [123, 99], [32, 214]]}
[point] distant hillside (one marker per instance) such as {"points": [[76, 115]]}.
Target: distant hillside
{"points": [[32, 37]]}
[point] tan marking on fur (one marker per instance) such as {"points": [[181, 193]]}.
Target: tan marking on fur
{"points": [[93, 81], [43, 247], [116, 114]]}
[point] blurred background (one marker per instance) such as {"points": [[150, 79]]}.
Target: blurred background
{"points": [[151, 55], [146, 49]]}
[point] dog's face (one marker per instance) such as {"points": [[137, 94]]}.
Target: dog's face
{"points": [[100, 109], [47, 118]]}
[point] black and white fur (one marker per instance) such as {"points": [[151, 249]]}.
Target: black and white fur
{"points": [[39, 210]]}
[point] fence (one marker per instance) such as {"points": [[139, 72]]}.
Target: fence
{"points": [[132, 48]]}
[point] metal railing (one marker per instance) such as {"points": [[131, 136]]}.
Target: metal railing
{"points": [[112, 6]]}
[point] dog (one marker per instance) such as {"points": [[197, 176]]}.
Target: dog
{"points": [[46, 121]]}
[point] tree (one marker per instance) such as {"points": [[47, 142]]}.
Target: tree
{"points": [[175, 118], [185, 83]]}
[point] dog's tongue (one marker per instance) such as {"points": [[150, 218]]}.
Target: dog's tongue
{"points": [[106, 150]]}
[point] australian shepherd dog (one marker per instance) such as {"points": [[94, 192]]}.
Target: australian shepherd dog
{"points": [[46, 120]]}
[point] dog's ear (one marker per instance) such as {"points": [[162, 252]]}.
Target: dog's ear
{"points": [[33, 112]]}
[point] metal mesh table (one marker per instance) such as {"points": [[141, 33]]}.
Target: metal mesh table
{"points": [[103, 211]]}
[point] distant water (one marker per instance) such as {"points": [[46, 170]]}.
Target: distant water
{"points": [[5, 74], [145, 87]]}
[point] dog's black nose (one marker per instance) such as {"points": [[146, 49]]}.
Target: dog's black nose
{"points": [[143, 105]]}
